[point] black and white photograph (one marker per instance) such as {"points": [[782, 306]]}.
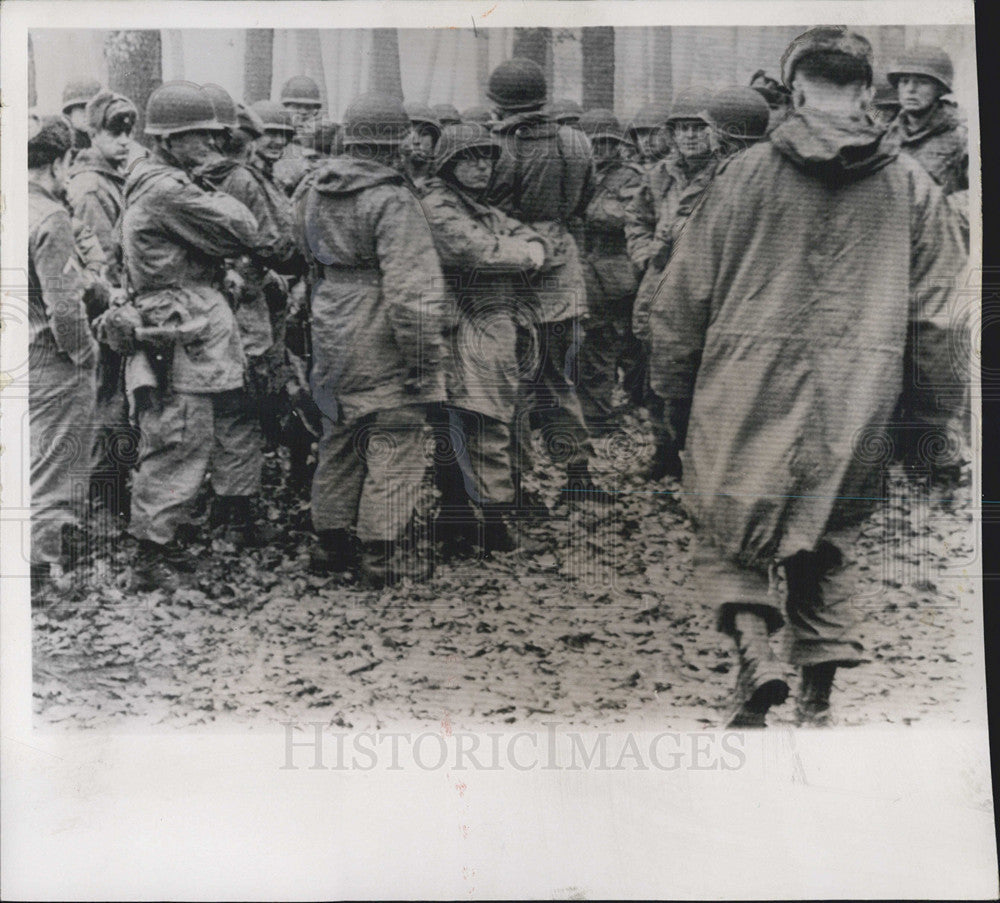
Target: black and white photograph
{"points": [[592, 391]]}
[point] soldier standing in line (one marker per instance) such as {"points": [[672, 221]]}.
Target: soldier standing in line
{"points": [[780, 335], [927, 127], [446, 114], [646, 133], [378, 317], [74, 108], [885, 101], [186, 379], [482, 115], [777, 96], [279, 130], [300, 95], [418, 151], [652, 219], [610, 276], [482, 253], [63, 358], [95, 186], [565, 112], [740, 118], [544, 178]]}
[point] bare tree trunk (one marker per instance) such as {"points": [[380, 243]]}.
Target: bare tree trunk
{"points": [[598, 50], [536, 44], [385, 77], [135, 67], [257, 64]]}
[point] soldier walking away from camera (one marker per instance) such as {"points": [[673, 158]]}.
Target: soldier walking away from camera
{"points": [[611, 284], [779, 337], [928, 127], [185, 378], [545, 178], [482, 253], [63, 356], [653, 220], [418, 149], [378, 317], [95, 186]]}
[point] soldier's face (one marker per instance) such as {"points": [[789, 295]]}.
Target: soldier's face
{"points": [[605, 149], [304, 118], [112, 144], [272, 145], [474, 172], [692, 137], [648, 142], [192, 149], [918, 93]]}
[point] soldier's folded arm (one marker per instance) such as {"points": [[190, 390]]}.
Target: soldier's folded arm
{"points": [[63, 288], [463, 243], [215, 223]]}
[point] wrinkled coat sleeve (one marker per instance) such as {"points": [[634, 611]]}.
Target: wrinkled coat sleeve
{"points": [[608, 207], [412, 284], [464, 243], [275, 245], [680, 309], [640, 225], [52, 253], [939, 348], [211, 222], [93, 208]]}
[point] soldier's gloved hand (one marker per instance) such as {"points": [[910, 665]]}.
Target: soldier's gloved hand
{"points": [[536, 251]]}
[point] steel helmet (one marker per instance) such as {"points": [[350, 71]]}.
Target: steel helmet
{"points": [[455, 139], [565, 111], [180, 106], [477, 114], [691, 103], [378, 119], [274, 116], [601, 123], [826, 39], [924, 60], [249, 121], [225, 107], [773, 91], [421, 114], [649, 117], [301, 89], [885, 94], [446, 114], [517, 84], [739, 112], [77, 93]]}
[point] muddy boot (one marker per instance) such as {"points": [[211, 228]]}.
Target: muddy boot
{"points": [[235, 513], [335, 552], [500, 536], [665, 463], [813, 706], [159, 566], [760, 682], [581, 487], [456, 530], [375, 569]]}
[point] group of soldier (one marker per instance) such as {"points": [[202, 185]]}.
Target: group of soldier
{"points": [[415, 288]]}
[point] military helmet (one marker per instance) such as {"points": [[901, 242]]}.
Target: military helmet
{"points": [[601, 123], [517, 84], [421, 114], [650, 116], [691, 103], [923, 59], [225, 107], [739, 112], [768, 87], [77, 93], [455, 139], [49, 138], [326, 138], [446, 114], [565, 111], [274, 116], [885, 94], [249, 121], [180, 106], [828, 39], [378, 119], [301, 89], [477, 114]]}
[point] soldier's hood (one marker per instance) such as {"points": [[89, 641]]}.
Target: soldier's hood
{"points": [[943, 118], [90, 159], [835, 148], [349, 175], [535, 125]]}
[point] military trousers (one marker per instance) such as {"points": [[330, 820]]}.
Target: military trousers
{"points": [[61, 404], [369, 473], [184, 440], [471, 459], [819, 606]]}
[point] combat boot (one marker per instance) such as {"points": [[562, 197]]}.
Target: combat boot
{"points": [[760, 682], [499, 537], [665, 463], [580, 486], [335, 552], [454, 530], [384, 563], [235, 514], [813, 706], [160, 566]]}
